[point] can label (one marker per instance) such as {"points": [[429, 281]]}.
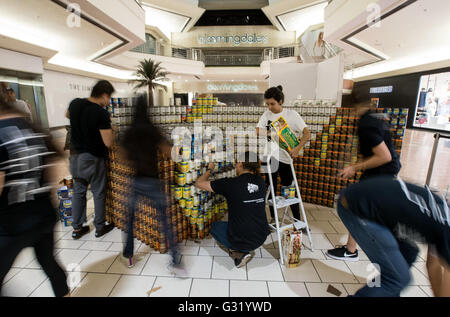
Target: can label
{"points": [[178, 193], [187, 192], [189, 203]]}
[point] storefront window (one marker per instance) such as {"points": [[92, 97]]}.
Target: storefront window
{"points": [[149, 47], [29, 88], [433, 102]]}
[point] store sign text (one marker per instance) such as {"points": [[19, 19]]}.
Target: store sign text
{"points": [[381, 90], [234, 88], [234, 39]]}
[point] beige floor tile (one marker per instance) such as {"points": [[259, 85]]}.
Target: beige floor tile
{"points": [[98, 261], [248, 289], [209, 288], [264, 270], [332, 271], [158, 265], [224, 268], [196, 266], [172, 287], [353, 288], [189, 250], [305, 272], [212, 251], [46, 290], [320, 242], [95, 246], [96, 285], [25, 257], [321, 227], [12, 272], [320, 289], [321, 215], [418, 278], [133, 286], [69, 259], [337, 239], [308, 254], [36, 265], [339, 227], [120, 265], [23, 283], [287, 289], [428, 290], [115, 235], [413, 291], [270, 253], [119, 246], [69, 244], [363, 270]]}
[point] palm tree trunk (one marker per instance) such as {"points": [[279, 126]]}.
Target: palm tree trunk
{"points": [[150, 96]]}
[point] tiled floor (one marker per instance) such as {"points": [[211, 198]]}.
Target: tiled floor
{"points": [[97, 269]]}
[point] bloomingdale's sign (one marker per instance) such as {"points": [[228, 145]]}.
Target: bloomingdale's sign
{"points": [[234, 39], [231, 87]]}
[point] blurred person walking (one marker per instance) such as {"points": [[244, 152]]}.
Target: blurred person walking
{"points": [[140, 146], [27, 217], [91, 137], [380, 158], [387, 216]]}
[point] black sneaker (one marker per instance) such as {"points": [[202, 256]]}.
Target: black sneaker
{"points": [[242, 260], [341, 253], [77, 234], [104, 230]]}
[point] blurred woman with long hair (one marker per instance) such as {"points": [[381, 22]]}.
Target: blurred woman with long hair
{"points": [[140, 146]]}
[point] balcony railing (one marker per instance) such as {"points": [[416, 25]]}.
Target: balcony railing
{"points": [[233, 60]]}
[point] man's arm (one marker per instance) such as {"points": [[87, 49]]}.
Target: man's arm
{"points": [[381, 156], [439, 275], [107, 137], [202, 182]]}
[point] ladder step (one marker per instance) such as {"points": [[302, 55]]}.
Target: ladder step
{"points": [[298, 225], [283, 202]]}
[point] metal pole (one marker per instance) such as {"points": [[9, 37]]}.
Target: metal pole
{"points": [[437, 136]]}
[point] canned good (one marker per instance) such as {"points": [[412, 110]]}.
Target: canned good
{"points": [[182, 203], [178, 193], [195, 211], [187, 212], [181, 179], [189, 203], [188, 178], [183, 167], [187, 191], [285, 191], [292, 192]]}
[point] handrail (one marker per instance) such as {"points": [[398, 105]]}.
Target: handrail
{"points": [[437, 138]]}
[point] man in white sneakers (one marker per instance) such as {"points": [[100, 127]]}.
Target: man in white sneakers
{"points": [[247, 227]]}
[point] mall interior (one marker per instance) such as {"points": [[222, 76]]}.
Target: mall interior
{"points": [[218, 59]]}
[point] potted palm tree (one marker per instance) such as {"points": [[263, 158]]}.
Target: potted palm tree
{"points": [[147, 74]]}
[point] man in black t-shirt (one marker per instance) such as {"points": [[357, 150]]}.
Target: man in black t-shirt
{"points": [[247, 227], [387, 217], [91, 136], [380, 158]]}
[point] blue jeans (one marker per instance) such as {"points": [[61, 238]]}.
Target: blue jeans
{"points": [[393, 256], [152, 189], [219, 232]]}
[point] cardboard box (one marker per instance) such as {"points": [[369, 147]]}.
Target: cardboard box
{"points": [[287, 138]]}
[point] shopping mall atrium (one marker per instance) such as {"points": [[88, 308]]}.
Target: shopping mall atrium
{"points": [[212, 65]]}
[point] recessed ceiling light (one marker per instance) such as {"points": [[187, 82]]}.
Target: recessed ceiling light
{"points": [[232, 80]]}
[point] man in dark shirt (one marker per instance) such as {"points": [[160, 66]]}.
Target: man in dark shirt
{"points": [[247, 227], [387, 216], [91, 136], [380, 158]]}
